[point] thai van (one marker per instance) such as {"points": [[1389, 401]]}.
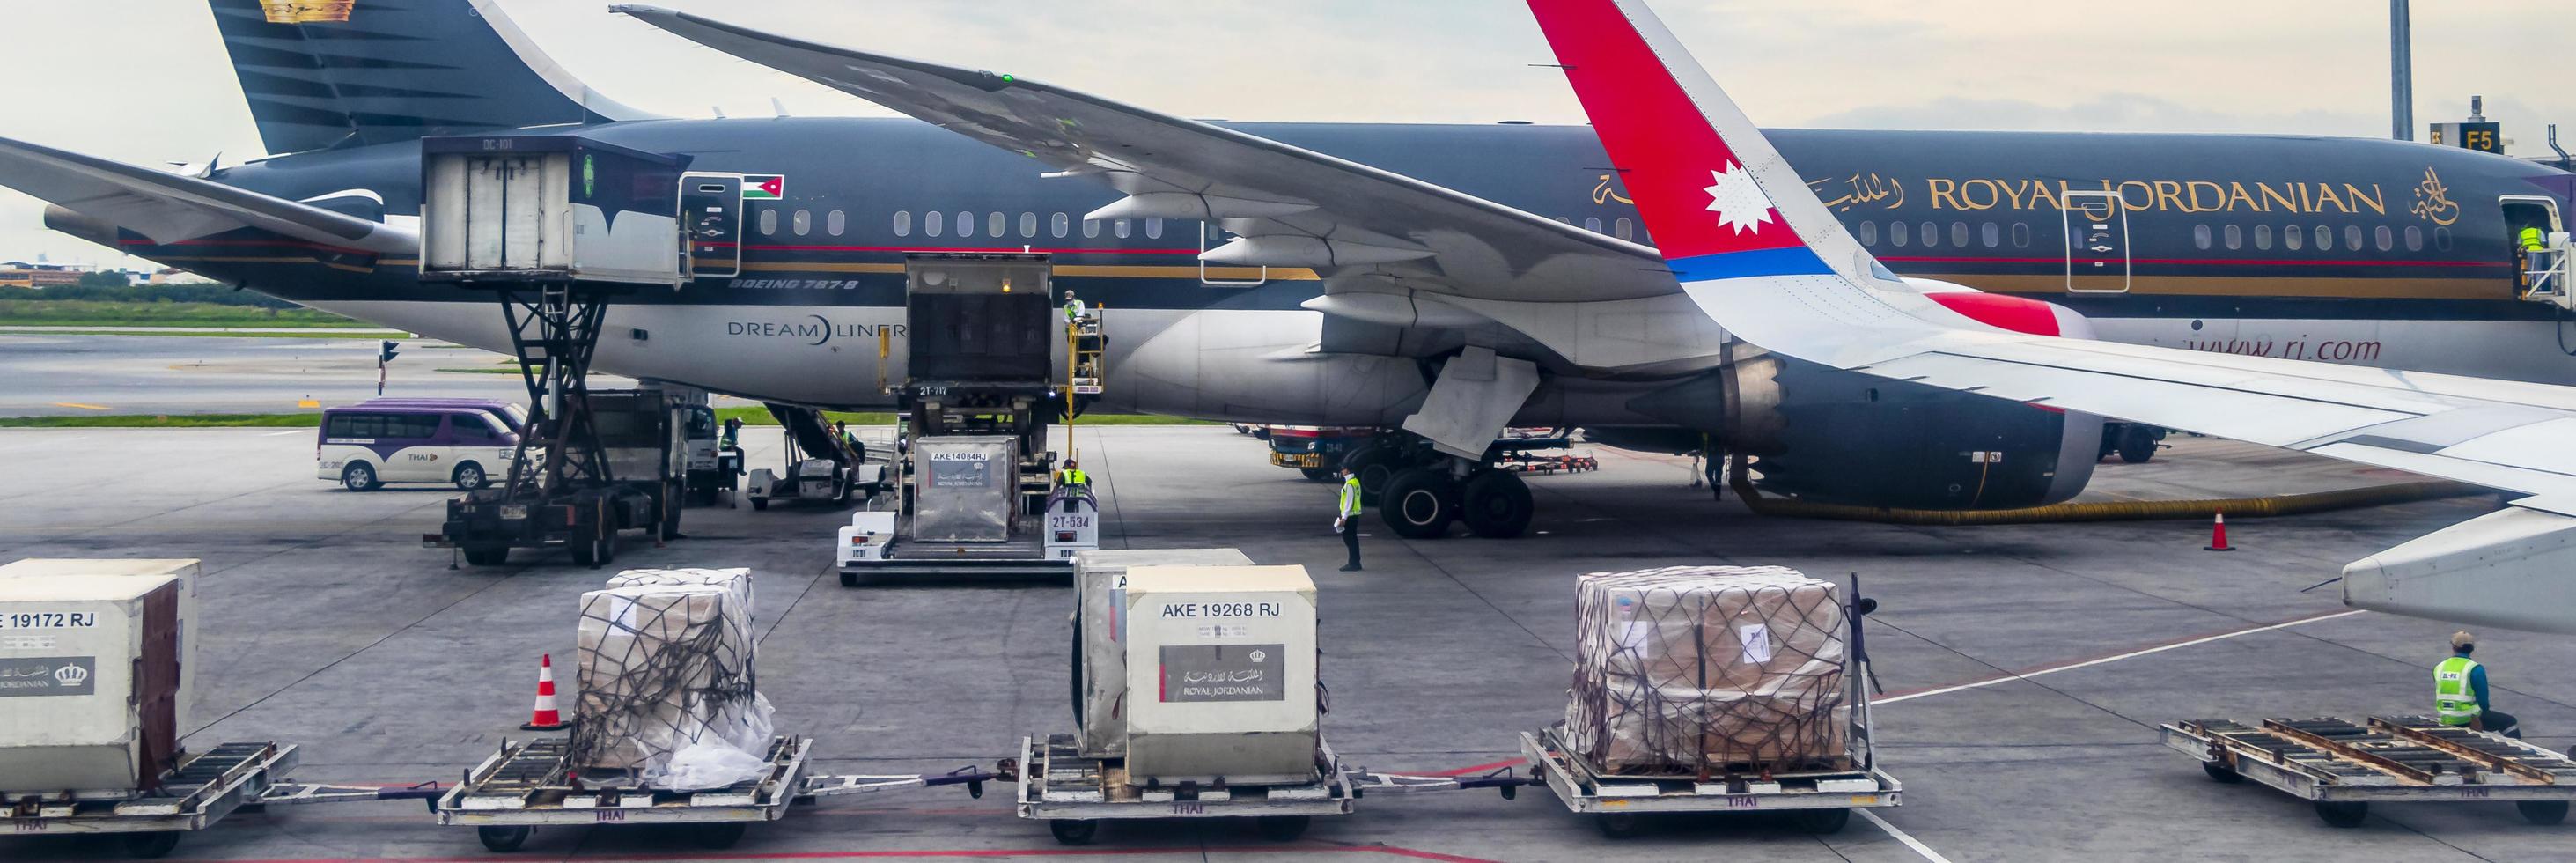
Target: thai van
{"points": [[463, 443]]}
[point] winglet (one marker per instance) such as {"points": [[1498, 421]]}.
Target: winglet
{"points": [[1718, 198]]}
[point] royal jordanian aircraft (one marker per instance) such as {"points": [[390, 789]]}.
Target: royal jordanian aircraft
{"points": [[1448, 280], [1756, 250]]}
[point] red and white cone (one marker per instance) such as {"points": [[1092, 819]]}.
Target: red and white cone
{"points": [[545, 717], [2218, 535]]}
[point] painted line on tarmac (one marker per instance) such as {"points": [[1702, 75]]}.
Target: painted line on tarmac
{"points": [[81, 406], [1902, 836], [2105, 660], [287, 432], [1265, 850]]}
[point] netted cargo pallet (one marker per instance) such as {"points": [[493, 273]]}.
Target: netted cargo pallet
{"points": [[202, 790], [2342, 767]]}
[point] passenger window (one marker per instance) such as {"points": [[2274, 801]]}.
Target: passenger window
{"points": [[931, 223], [412, 426], [1959, 234], [2384, 238], [1592, 223], [2200, 237], [1896, 234], [997, 225], [2292, 238], [469, 428], [1059, 225], [2352, 238], [769, 223], [1931, 235], [2021, 235], [2325, 239], [1627, 229], [1028, 224], [802, 222], [2235, 237], [833, 223], [903, 223], [357, 426], [2263, 237], [2414, 238], [1991, 234], [1153, 229], [2442, 239], [1123, 227], [965, 224], [1564, 221], [1867, 231], [1090, 228]]}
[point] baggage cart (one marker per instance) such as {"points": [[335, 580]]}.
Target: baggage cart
{"points": [[2342, 767], [204, 789], [1821, 800], [530, 784], [1074, 793]]}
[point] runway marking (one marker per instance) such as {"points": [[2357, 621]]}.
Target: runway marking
{"points": [[1902, 836], [2088, 663], [288, 432], [81, 406]]}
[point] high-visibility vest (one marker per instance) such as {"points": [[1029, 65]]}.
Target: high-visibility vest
{"points": [[2454, 701], [1351, 496], [1072, 476], [1072, 309], [2532, 241]]}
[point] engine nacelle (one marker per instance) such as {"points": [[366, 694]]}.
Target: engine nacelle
{"points": [[1832, 436]]}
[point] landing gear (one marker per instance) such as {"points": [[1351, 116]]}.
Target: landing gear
{"points": [[1419, 503], [1375, 466], [1498, 505]]}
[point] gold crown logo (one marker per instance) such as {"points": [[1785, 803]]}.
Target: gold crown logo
{"points": [[305, 11], [70, 675]]}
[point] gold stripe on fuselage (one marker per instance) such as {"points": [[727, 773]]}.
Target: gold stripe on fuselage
{"points": [[2251, 286], [1095, 271]]}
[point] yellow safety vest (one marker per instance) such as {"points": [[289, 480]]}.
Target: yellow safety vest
{"points": [[2454, 700], [1351, 497], [1072, 476], [2532, 241]]}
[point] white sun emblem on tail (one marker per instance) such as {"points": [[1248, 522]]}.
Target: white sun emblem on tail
{"points": [[1738, 202]]}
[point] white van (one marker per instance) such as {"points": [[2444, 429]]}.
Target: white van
{"points": [[459, 442]]}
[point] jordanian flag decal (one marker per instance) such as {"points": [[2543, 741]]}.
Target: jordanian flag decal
{"points": [[764, 187]]}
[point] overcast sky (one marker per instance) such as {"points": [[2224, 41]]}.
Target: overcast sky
{"points": [[146, 80]]}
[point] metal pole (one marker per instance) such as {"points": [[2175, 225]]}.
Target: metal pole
{"points": [[2401, 73]]}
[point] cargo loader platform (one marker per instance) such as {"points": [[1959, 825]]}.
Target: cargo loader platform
{"points": [[1823, 800], [2342, 767], [531, 784], [202, 790]]}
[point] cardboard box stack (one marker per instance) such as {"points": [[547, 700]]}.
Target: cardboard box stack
{"points": [[668, 692], [1708, 670]]}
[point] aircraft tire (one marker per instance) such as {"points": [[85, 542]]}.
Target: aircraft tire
{"points": [[1498, 505], [1376, 466], [2137, 446], [1419, 503]]}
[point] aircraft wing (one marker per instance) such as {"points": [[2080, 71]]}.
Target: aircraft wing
{"points": [[1756, 250], [170, 208], [1291, 207]]}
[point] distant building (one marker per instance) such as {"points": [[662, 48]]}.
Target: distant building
{"points": [[176, 276], [21, 274]]}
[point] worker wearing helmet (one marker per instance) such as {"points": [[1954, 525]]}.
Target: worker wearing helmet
{"points": [[1346, 518], [2460, 692], [1072, 475]]}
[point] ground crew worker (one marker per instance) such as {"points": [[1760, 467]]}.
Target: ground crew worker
{"points": [[1072, 308], [1072, 474], [2535, 256], [2460, 692], [1346, 519], [733, 433]]}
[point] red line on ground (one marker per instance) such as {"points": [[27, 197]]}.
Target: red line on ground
{"points": [[1481, 768], [965, 853]]}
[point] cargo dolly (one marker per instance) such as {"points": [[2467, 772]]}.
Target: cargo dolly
{"points": [[202, 790], [2343, 767], [1073, 793], [531, 784]]}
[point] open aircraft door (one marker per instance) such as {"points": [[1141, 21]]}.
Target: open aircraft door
{"points": [[2096, 226], [711, 211]]}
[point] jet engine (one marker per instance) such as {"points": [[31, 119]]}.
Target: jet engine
{"points": [[1830, 436]]}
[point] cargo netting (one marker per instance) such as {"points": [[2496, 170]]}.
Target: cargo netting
{"points": [[668, 693], [1708, 670]]}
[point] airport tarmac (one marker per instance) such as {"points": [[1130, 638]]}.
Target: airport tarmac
{"points": [[2027, 666]]}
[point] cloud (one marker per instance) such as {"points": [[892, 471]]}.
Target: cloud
{"points": [[2112, 112]]}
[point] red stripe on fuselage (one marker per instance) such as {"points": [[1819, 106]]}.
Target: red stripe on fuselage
{"points": [[2018, 314]]}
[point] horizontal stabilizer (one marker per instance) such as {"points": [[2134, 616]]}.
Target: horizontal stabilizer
{"points": [[169, 208]]}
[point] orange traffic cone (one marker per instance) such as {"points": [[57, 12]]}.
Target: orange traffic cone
{"points": [[545, 717], [2218, 535]]}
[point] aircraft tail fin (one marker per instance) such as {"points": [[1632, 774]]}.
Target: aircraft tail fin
{"points": [[333, 73]]}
